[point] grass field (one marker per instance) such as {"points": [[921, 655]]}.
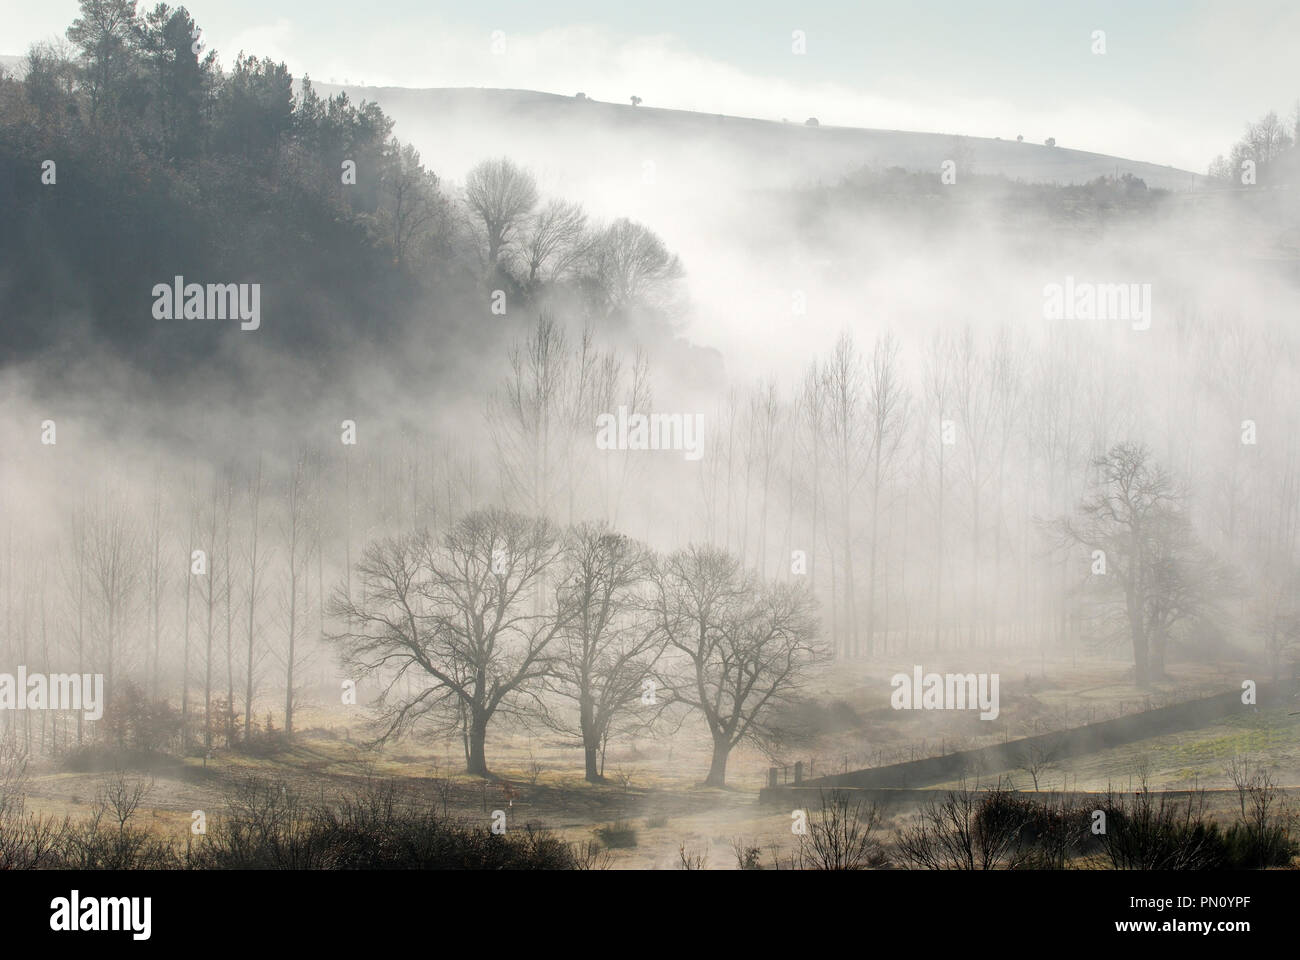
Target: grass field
{"points": [[653, 804]]}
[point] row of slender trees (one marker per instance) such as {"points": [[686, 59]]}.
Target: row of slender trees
{"points": [[921, 488]]}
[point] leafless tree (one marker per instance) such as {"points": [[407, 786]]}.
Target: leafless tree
{"points": [[692, 858], [115, 569], [743, 648], [122, 795], [887, 407], [1267, 138], [609, 647], [1037, 757], [501, 195], [156, 580], [1154, 566], [935, 441], [974, 402], [526, 420], [211, 600], [257, 564], [842, 835], [765, 417], [956, 832], [192, 511], [632, 265], [556, 242], [460, 615], [293, 530], [849, 449], [75, 580]]}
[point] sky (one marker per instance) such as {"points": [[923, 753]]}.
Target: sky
{"points": [[1177, 83]]}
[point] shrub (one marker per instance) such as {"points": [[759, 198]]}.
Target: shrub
{"points": [[748, 855], [618, 834], [1149, 833], [840, 837], [1250, 846], [137, 722], [967, 830]]}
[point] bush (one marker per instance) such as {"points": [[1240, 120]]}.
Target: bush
{"points": [[1150, 833], [996, 829], [137, 722], [967, 830], [1250, 846], [840, 837], [270, 827], [618, 834], [748, 855]]}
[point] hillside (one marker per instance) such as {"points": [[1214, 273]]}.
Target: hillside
{"points": [[788, 151], [780, 154]]}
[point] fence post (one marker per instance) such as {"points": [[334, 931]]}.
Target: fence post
{"points": [[798, 772], [771, 776]]}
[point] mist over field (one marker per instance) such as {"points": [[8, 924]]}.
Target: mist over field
{"points": [[549, 480]]}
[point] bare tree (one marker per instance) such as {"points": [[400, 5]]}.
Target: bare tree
{"points": [[813, 406], [115, 571], [257, 564], [849, 446], [887, 408], [974, 400], [293, 529], [1267, 138], [744, 648], [228, 713], [75, 577], [1154, 566], [211, 600], [632, 265], [609, 648], [525, 417], [501, 195], [842, 835], [935, 440], [122, 795], [459, 616], [1037, 757], [556, 242], [957, 832], [765, 416], [156, 580], [192, 512]]}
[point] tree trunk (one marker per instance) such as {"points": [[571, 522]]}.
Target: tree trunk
{"points": [[1141, 657], [590, 742], [477, 765], [718, 768], [591, 750], [1157, 664]]}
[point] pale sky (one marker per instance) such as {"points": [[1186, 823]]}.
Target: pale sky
{"points": [[1177, 84]]}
